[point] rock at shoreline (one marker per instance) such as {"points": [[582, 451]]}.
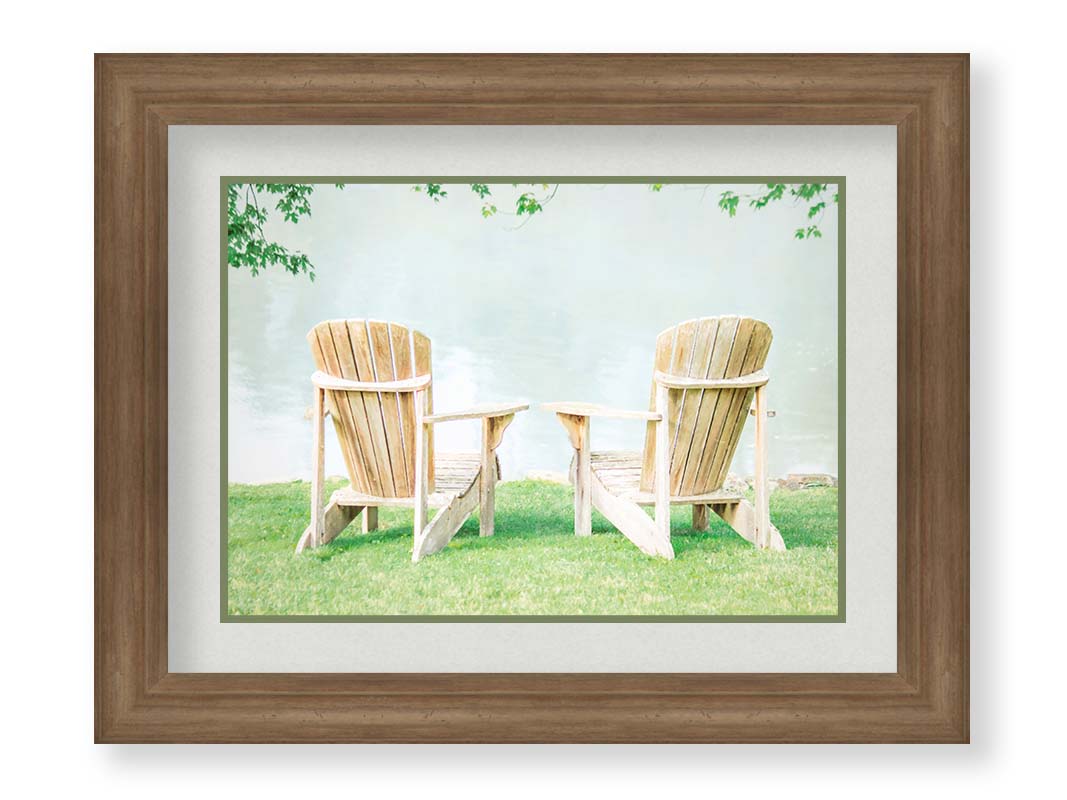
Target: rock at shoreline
{"points": [[791, 483], [805, 481], [733, 483]]}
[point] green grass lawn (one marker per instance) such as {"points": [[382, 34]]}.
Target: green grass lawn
{"points": [[533, 565]]}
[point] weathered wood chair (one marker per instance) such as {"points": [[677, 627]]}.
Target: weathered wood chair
{"points": [[374, 381], [706, 374]]}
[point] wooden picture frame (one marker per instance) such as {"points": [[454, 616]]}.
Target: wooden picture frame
{"points": [[138, 97]]}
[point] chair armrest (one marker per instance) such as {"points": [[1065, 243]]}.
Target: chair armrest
{"points": [[577, 409], [484, 411], [752, 380], [324, 381]]}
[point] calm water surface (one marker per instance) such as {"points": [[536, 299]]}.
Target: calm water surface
{"points": [[564, 307]]}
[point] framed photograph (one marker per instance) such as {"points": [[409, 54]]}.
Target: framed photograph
{"points": [[548, 273], [532, 398]]}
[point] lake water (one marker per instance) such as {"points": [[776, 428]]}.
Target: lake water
{"points": [[564, 307]]}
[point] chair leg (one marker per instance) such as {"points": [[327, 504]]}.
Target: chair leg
{"points": [[370, 519], [662, 474], [630, 520], [700, 517], [335, 519], [487, 482], [762, 493], [422, 473], [577, 428], [741, 516], [439, 531], [492, 434], [583, 479], [315, 533]]}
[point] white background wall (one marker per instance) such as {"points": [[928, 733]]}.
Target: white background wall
{"points": [[1017, 291]]}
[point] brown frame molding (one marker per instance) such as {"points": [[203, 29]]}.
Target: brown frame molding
{"points": [[139, 96]]}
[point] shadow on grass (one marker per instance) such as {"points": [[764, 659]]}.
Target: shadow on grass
{"points": [[545, 512], [530, 511]]}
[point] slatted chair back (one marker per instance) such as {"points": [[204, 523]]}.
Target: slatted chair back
{"points": [[376, 429], [704, 424]]}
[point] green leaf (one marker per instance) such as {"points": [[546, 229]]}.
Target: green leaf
{"points": [[728, 202]]}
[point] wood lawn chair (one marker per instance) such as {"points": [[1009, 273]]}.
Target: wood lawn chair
{"points": [[707, 373], [374, 380]]}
